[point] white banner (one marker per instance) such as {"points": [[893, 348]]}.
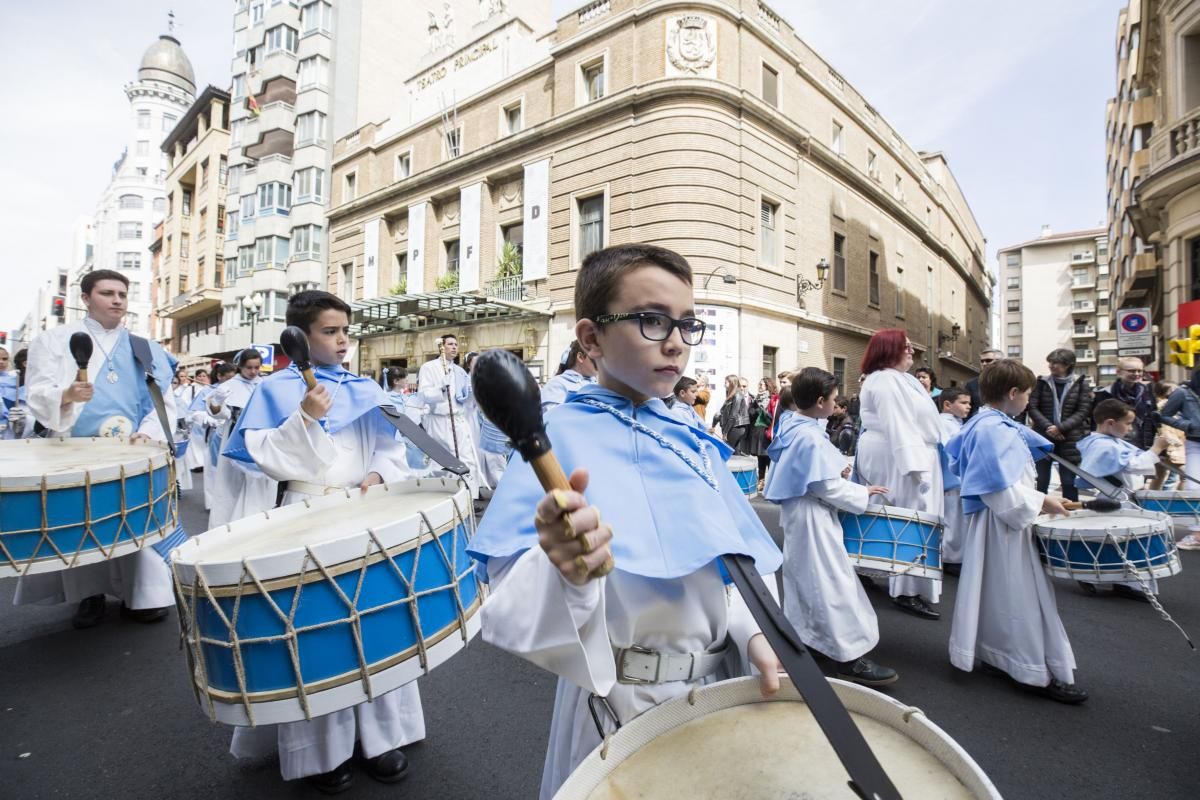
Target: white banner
{"points": [[468, 237], [536, 257], [371, 259], [416, 248]]}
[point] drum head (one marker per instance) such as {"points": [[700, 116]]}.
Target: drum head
{"points": [[730, 743], [63, 460]]}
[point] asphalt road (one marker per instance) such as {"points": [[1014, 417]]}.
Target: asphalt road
{"points": [[107, 712]]}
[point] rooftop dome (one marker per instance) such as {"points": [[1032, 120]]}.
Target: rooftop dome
{"points": [[165, 61]]}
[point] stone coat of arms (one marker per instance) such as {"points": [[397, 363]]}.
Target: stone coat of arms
{"points": [[691, 45]]}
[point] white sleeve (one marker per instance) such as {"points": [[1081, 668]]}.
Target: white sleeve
{"points": [[293, 451], [390, 459], [741, 625], [842, 494], [150, 424], [430, 383], [1017, 506], [1143, 463], [533, 612], [45, 384], [894, 409]]}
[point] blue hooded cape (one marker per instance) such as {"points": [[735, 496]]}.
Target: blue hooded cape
{"points": [[990, 455], [279, 395], [667, 520], [1106, 456], [802, 455]]}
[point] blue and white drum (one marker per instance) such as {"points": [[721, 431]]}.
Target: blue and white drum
{"points": [[320, 605], [745, 470], [1107, 547], [67, 502], [889, 540], [1183, 507]]}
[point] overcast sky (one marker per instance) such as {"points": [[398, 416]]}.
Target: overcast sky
{"points": [[1013, 92]]}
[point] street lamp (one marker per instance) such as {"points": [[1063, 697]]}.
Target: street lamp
{"points": [[253, 304], [804, 285], [952, 336], [726, 277]]}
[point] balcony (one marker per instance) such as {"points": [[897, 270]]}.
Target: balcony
{"points": [[1177, 143], [1084, 332], [1085, 257], [1079, 284], [200, 301], [510, 289], [1083, 307], [1085, 356]]}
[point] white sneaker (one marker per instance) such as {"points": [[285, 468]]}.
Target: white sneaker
{"points": [[1189, 542]]}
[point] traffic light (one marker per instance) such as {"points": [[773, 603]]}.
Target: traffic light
{"points": [[3, 337], [1183, 351], [59, 308]]}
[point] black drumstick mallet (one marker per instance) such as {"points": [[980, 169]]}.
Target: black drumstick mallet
{"points": [[510, 399], [295, 343], [81, 350]]}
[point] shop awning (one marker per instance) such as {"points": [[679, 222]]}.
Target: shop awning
{"points": [[407, 313]]}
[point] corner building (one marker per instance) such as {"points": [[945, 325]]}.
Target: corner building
{"points": [[707, 127]]}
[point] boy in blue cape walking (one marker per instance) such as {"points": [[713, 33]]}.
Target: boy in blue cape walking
{"points": [[664, 620]]}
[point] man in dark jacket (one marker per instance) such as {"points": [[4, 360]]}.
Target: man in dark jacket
{"points": [[986, 358], [1060, 409], [1129, 389]]}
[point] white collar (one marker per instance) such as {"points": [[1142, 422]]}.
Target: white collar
{"points": [[96, 329]]}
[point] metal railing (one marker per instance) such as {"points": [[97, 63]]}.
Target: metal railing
{"points": [[510, 289]]}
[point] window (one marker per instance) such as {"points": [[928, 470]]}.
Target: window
{"points": [[220, 220], [873, 279], [512, 119], [231, 225], [591, 225], [592, 74], [168, 122], [1014, 329], [131, 201], [237, 130], [872, 164], [310, 128], [347, 291], [310, 185], [1012, 260], [350, 186], [143, 148], [770, 356], [514, 235], [452, 257], [307, 241], [1014, 304], [1081, 276], [247, 207], [400, 269], [143, 120], [256, 11], [281, 37], [836, 141], [839, 263], [239, 86], [768, 214], [186, 209], [270, 252], [316, 17], [223, 171], [839, 372], [131, 261], [160, 204], [453, 143], [770, 86], [129, 230], [203, 173], [314, 72], [245, 261], [274, 198], [184, 245], [403, 166], [1014, 282], [235, 177], [898, 190], [899, 293], [1014, 351]]}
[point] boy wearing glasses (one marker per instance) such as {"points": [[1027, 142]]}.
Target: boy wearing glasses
{"points": [[624, 639]]}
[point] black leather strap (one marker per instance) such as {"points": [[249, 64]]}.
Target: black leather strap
{"points": [[1100, 484], [867, 778], [141, 354], [424, 442]]}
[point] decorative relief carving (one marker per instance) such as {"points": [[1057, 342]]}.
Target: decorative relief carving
{"points": [[691, 46]]}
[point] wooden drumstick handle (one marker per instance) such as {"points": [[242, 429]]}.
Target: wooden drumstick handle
{"points": [[81, 375], [550, 473], [310, 380]]}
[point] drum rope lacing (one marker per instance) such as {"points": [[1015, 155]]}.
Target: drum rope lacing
{"points": [[1131, 569], [894, 540], [291, 635]]}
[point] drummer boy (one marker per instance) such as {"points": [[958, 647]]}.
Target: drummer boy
{"points": [[1106, 454], [664, 620], [330, 437]]}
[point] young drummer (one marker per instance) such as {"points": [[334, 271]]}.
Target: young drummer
{"points": [[822, 594], [664, 620], [1004, 614], [955, 405], [326, 439], [238, 490], [1107, 454]]}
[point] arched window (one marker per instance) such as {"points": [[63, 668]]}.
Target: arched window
{"points": [[131, 201]]}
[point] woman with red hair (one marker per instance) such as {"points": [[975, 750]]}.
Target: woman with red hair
{"points": [[898, 448]]}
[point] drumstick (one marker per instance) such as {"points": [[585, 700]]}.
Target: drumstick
{"points": [[1101, 504], [295, 343], [81, 350]]}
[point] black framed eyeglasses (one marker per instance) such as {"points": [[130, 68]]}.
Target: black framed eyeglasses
{"points": [[657, 326]]}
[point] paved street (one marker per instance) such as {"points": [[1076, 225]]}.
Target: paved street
{"points": [[107, 713]]}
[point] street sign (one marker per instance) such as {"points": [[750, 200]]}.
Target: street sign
{"points": [[1134, 351], [1134, 330], [267, 351]]}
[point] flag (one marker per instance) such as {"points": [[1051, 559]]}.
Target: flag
{"points": [[252, 106]]}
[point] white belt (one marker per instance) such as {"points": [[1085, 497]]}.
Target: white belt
{"points": [[315, 489], [640, 665]]}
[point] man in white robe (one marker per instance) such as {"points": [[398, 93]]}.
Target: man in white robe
{"points": [[445, 388]]}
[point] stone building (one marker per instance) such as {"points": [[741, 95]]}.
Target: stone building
{"points": [[1153, 164], [708, 127]]}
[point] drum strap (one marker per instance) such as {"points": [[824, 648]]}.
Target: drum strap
{"points": [[424, 442], [867, 778], [1116, 492], [141, 354]]}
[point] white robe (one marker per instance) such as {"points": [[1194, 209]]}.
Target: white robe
{"points": [[571, 630], [306, 453], [1004, 611], [953, 526], [141, 580], [898, 449], [237, 489], [822, 595], [431, 379]]}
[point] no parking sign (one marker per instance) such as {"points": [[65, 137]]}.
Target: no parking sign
{"points": [[1134, 331]]}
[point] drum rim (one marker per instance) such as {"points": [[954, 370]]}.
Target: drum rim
{"points": [[878, 510], [1166, 494], [1154, 522], [155, 459], [725, 695]]}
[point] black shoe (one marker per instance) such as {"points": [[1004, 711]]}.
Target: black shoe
{"points": [[868, 583], [950, 568], [916, 606], [143, 615], [336, 781], [90, 612], [197, 469], [1090, 588], [866, 672], [1061, 692], [388, 767], [1129, 593]]}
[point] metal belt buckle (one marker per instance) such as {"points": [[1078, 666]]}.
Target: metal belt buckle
{"points": [[622, 677]]}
